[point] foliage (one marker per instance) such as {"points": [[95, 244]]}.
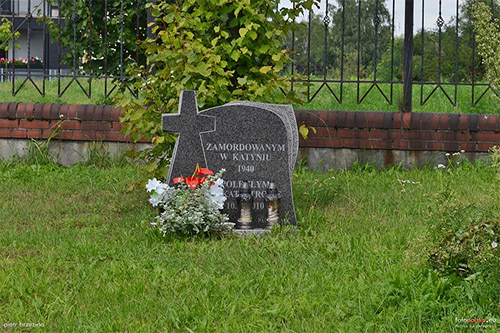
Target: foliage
{"points": [[6, 34], [225, 50], [38, 151], [192, 206], [488, 41], [105, 23]]}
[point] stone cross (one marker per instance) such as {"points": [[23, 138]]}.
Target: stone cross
{"points": [[189, 124]]}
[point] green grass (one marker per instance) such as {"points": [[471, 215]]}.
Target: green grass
{"points": [[77, 254], [74, 94], [374, 101]]}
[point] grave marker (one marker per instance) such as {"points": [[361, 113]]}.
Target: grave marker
{"points": [[256, 142]]}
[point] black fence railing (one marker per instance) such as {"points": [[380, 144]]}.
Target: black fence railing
{"points": [[358, 42], [376, 45]]}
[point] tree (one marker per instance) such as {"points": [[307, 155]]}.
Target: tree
{"points": [[225, 50], [97, 33], [488, 41]]}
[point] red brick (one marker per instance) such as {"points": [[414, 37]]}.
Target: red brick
{"points": [[468, 146], [484, 147], [463, 122], [454, 119], [378, 120], [84, 136], [34, 124], [347, 133], [400, 145], [331, 119], [367, 144], [117, 127], [323, 116], [4, 123], [454, 136], [98, 112], [46, 111], [21, 111], [489, 137], [115, 113], [12, 111], [445, 121], [434, 145], [66, 135], [341, 119], [427, 121], [397, 120], [5, 133], [349, 120], [320, 132], [351, 143], [370, 119], [383, 144], [483, 122], [451, 146], [29, 110], [73, 114], [34, 133], [302, 142], [420, 135], [37, 111], [407, 119], [379, 134], [492, 122], [71, 125], [64, 110], [19, 134], [396, 134], [416, 121], [54, 111], [417, 145], [111, 136], [360, 119], [46, 133], [3, 110], [334, 143], [95, 126]]}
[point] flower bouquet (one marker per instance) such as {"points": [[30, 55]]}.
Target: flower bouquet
{"points": [[192, 206]]}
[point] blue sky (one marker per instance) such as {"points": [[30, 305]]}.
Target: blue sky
{"points": [[431, 10]]}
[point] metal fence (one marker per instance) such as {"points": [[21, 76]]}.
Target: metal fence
{"points": [[436, 57], [343, 42]]}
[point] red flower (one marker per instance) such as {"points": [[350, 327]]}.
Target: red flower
{"points": [[193, 181]]}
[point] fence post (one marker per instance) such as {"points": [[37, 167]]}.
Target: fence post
{"points": [[408, 56]]}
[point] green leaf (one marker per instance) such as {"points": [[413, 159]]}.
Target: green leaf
{"points": [[243, 32], [265, 69], [303, 131], [235, 55]]}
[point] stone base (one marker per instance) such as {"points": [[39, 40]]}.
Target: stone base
{"points": [[246, 232]]}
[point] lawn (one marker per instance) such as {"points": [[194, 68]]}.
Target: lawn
{"points": [[324, 99], [77, 254]]}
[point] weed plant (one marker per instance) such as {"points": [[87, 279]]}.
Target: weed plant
{"points": [[78, 255]]}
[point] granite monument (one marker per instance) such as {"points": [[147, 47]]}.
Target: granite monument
{"points": [[254, 142]]}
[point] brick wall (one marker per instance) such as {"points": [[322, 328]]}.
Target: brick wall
{"points": [[401, 131], [81, 122], [334, 129]]}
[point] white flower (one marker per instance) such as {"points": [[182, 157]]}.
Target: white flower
{"points": [[494, 244], [154, 200], [441, 166], [152, 184], [447, 154], [462, 151], [216, 193]]}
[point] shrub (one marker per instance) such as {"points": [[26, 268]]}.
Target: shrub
{"points": [[225, 50]]}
